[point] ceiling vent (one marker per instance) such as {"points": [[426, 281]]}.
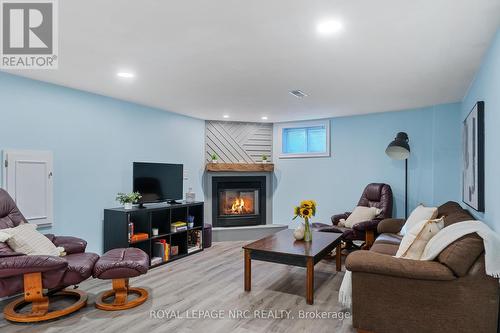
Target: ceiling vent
{"points": [[298, 93]]}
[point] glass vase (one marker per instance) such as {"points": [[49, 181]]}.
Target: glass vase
{"points": [[307, 231]]}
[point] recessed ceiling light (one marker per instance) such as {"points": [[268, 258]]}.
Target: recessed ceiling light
{"points": [[298, 93], [329, 27], [225, 116], [263, 117], [125, 75]]}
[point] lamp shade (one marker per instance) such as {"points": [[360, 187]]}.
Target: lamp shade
{"points": [[399, 149]]}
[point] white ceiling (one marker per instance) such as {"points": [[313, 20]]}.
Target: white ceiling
{"points": [[209, 58]]}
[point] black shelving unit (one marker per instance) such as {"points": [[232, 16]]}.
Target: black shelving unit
{"points": [[159, 216]]}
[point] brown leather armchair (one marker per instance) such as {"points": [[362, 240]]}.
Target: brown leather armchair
{"points": [[34, 273], [375, 195]]}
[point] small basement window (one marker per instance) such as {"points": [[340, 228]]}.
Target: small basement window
{"points": [[304, 139]]}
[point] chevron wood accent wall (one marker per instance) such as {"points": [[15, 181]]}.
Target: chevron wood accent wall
{"points": [[236, 142]]}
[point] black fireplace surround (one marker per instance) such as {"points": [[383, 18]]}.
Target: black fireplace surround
{"points": [[238, 201]]}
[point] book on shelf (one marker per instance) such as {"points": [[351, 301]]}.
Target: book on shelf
{"points": [[139, 237], [161, 249], [194, 238], [178, 226], [130, 229], [167, 251]]}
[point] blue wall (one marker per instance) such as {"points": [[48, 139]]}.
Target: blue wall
{"points": [[486, 87], [358, 157], [94, 139]]}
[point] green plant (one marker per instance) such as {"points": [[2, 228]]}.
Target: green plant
{"points": [[264, 157], [214, 157], [124, 198]]}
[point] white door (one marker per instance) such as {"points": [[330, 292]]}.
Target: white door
{"points": [[27, 176]]}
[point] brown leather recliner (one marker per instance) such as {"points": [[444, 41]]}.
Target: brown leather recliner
{"points": [[375, 195], [33, 273]]}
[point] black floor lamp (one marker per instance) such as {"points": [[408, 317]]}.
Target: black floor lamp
{"points": [[399, 149]]}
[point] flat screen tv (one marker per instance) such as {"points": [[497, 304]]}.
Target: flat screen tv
{"points": [[158, 182]]}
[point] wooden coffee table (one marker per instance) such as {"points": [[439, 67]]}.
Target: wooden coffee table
{"points": [[282, 248]]}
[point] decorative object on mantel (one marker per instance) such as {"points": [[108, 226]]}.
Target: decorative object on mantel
{"points": [[215, 158], [264, 159], [306, 210], [473, 158], [240, 167], [127, 200]]}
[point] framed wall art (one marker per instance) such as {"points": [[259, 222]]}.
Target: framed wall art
{"points": [[473, 158]]}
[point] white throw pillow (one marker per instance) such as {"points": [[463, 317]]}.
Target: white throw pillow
{"points": [[413, 243], [27, 240], [419, 214], [361, 214], [4, 236]]}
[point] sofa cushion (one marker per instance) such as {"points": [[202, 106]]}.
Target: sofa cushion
{"points": [[389, 239], [385, 248], [380, 264], [461, 254], [4, 237], [121, 263], [458, 216], [80, 266], [392, 226], [414, 242], [360, 214], [419, 214], [453, 213], [449, 208], [26, 239]]}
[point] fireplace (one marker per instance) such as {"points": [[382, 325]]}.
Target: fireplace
{"points": [[238, 201]]}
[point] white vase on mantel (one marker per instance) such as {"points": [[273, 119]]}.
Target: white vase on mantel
{"points": [[214, 161], [127, 205]]}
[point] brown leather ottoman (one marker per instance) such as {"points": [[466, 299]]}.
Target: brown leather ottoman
{"points": [[119, 265]]}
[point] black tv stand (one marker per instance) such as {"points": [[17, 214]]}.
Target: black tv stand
{"points": [[160, 218]]}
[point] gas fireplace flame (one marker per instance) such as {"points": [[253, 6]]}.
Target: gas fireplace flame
{"points": [[237, 206]]}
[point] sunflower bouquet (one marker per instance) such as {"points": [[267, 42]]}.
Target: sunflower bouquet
{"points": [[306, 210]]}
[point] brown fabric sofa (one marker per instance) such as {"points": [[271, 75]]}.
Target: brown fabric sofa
{"points": [[450, 294]]}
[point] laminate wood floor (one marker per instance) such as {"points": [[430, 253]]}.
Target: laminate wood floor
{"points": [[207, 285]]}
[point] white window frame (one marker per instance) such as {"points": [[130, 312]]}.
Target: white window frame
{"points": [[301, 124]]}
